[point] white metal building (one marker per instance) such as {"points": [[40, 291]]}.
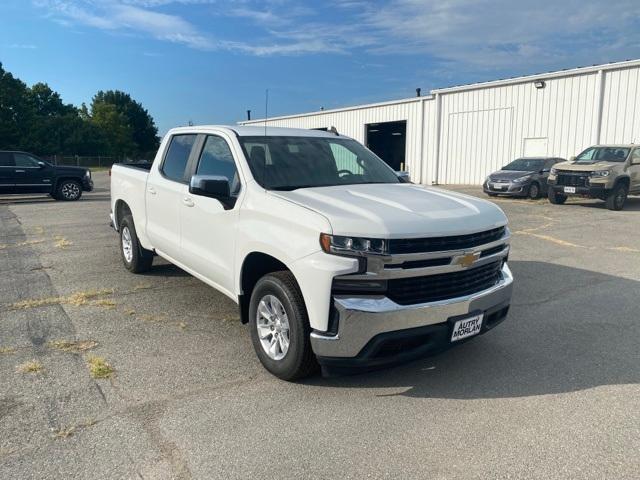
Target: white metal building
{"points": [[461, 134]]}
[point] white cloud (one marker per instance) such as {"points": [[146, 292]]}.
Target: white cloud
{"points": [[469, 34], [112, 15]]}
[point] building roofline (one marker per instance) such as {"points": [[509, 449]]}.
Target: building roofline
{"points": [[337, 110], [540, 76], [461, 88]]}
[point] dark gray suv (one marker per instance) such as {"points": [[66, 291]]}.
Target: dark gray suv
{"points": [[524, 177]]}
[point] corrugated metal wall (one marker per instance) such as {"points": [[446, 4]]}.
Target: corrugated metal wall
{"points": [[461, 135]]}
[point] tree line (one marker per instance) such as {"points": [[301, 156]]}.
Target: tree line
{"points": [[36, 120]]}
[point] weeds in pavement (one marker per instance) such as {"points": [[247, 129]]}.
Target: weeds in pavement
{"points": [[30, 367], [7, 350], [62, 242], [76, 346], [76, 299], [99, 368]]}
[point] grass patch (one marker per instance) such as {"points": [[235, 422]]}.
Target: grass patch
{"points": [[74, 346], [64, 432], [76, 299], [7, 350], [62, 242], [142, 286], [99, 368], [30, 367], [106, 303], [4, 246]]}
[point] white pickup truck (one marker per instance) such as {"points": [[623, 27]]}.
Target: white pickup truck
{"points": [[332, 258]]}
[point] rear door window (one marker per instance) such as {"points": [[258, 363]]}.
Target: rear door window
{"points": [[6, 159], [175, 161]]}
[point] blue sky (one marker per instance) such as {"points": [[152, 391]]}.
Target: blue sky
{"points": [[208, 61]]}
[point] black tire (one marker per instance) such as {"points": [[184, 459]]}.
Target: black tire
{"points": [[616, 198], [556, 198], [534, 191], [68, 191], [299, 360], [139, 259]]}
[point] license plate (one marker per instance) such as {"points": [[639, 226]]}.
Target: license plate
{"points": [[499, 187], [569, 189], [467, 327]]}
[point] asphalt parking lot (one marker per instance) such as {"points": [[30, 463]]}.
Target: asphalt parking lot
{"points": [[554, 392]]}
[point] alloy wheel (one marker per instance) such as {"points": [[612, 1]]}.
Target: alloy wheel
{"points": [[272, 323]]}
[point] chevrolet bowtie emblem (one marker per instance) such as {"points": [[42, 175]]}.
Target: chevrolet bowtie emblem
{"points": [[468, 259]]}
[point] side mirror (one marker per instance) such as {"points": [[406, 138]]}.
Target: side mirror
{"points": [[212, 186], [403, 177], [42, 164], [572, 159]]}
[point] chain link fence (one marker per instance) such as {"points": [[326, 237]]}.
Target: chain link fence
{"points": [[85, 161]]}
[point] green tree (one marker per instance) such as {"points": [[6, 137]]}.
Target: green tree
{"points": [[115, 127], [16, 111], [144, 132]]}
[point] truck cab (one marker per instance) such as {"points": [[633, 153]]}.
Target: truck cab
{"points": [[331, 257], [22, 172]]}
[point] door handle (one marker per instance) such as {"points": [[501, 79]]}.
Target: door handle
{"points": [[151, 190], [20, 171], [188, 202]]}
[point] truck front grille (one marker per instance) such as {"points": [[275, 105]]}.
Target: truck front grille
{"points": [[438, 244], [433, 288], [573, 179]]}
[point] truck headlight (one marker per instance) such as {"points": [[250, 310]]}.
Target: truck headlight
{"points": [[553, 171], [87, 174], [353, 246], [600, 173]]}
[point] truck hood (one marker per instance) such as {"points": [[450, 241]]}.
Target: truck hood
{"points": [[397, 210], [587, 167]]}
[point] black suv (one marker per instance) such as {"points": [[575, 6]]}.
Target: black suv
{"points": [[22, 172]]}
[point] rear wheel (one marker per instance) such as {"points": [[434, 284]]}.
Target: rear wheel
{"points": [[68, 190], [280, 328], [135, 258], [556, 198], [615, 200], [534, 191]]}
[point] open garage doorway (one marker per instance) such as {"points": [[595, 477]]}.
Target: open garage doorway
{"points": [[388, 140]]}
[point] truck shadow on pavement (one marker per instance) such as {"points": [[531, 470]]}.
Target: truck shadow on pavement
{"points": [[568, 330], [632, 204]]}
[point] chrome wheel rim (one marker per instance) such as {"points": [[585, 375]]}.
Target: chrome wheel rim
{"points": [[272, 324], [620, 197], [127, 244], [70, 190], [533, 191]]}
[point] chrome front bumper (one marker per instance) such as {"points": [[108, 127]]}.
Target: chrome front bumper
{"points": [[360, 319]]}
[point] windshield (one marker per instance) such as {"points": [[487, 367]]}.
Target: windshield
{"points": [[526, 165], [288, 163], [603, 154]]}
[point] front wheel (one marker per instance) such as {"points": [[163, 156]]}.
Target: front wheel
{"points": [[617, 197], [280, 327], [534, 191], [556, 198], [68, 190]]}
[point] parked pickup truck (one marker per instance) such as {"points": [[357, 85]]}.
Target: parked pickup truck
{"points": [[607, 172], [331, 258], [22, 172]]}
